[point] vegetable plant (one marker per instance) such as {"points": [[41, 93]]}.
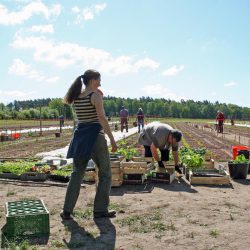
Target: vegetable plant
{"points": [[240, 159], [61, 172], [18, 167], [191, 159], [128, 152]]}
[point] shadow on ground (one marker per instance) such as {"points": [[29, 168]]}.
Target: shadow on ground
{"points": [[82, 239], [178, 185]]}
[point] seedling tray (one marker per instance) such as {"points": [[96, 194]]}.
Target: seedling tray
{"points": [[209, 177], [9, 176], [33, 176]]}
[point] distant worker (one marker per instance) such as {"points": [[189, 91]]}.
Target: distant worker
{"points": [[140, 119], [220, 118], [124, 118], [232, 122], [61, 118], [161, 136]]}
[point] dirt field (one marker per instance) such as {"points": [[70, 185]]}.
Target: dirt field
{"points": [[154, 216]]}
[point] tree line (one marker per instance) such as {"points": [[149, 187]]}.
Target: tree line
{"points": [[52, 108]]}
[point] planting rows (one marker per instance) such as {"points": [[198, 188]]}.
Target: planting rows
{"points": [[220, 148]]}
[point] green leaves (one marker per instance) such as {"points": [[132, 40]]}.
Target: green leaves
{"points": [[18, 167], [240, 159], [192, 158], [128, 152]]}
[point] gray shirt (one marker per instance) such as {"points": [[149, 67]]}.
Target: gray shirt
{"points": [[157, 133], [124, 113]]}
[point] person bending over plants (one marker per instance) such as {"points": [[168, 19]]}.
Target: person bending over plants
{"points": [[161, 136]]}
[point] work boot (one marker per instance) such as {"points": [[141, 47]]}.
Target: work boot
{"points": [[108, 214]]}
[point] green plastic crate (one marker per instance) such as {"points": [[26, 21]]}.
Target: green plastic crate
{"points": [[27, 217]]}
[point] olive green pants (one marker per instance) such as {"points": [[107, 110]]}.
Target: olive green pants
{"points": [[100, 156]]}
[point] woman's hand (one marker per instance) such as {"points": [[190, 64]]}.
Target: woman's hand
{"points": [[114, 146]]}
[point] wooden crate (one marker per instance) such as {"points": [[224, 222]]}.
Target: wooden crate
{"points": [[161, 175], [117, 174], [209, 177], [89, 176], [209, 164], [133, 178], [132, 167], [142, 159]]}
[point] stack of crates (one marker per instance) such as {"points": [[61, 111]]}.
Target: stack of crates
{"points": [[116, 171], [26, 217], [117, 174]]}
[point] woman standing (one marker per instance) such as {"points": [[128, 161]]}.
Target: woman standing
{"points": [[89, 142]]}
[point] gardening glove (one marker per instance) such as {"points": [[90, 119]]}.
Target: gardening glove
{"points": [[160, 164], [177, 169]]}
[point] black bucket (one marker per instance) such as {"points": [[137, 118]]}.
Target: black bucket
{"points": [[238, 170]]}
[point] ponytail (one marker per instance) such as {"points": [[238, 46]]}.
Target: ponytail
{"points": [[76, 87], [74, 90]]}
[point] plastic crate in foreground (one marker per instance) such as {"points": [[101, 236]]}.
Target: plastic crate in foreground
{"points": [[26, 217]]}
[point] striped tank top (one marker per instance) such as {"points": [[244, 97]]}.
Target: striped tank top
{"points": [[84, 109]]}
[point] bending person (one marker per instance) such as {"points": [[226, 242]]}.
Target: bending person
{"points": [[159, 135]]}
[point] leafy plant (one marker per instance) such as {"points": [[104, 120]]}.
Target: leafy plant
{"points": [[240, 159], [192, 160], [128, 152], [61, 172], [18, 167]]}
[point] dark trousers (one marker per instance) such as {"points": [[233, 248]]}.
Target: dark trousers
{"points": [[220, 127], [164, 153], [140, 125], [100, 156], [124, 123]]}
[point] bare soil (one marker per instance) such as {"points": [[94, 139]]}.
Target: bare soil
{"points": [[153, 216]]}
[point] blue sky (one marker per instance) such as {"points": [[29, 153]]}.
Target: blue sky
{"points": [[178, 49]]}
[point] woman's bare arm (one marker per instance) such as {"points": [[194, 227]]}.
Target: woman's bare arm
{"points": [[97, 101]]}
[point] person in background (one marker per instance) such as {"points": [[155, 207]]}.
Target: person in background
{"points": [[140, 119], [89, 142], [124, 118], [220, 118], [161, 136], [61, 119]]}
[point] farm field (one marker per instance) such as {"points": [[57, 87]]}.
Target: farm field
{"points": [[149, 216]]}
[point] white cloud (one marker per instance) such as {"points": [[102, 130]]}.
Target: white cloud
{"points": [[174, 70], [16, 94], [75, 9], [68, 54], [88, 13], [230, 84], [52, 79], [19, 68], [107, 92], [159, 91], [43, 28], [8, 17], [146, 63], [100, 7]]}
